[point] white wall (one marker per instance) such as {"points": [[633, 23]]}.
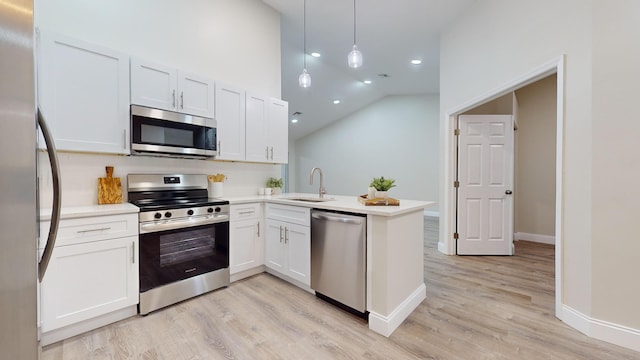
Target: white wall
{"points": [[500, 40], [535, 195], [236, 42], [396, 137]]}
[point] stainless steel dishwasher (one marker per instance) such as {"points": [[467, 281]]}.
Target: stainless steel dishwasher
{"points": [[339, 259]]}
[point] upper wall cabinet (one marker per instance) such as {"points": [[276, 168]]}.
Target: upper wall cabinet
{"points": [[230, 116], [162, 87], [83, 92], [267, 129]]}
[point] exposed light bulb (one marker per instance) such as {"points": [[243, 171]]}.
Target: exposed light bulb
{"points": [[355, 58], [304, 80]]}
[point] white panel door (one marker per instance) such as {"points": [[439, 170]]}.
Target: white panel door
{"points": [[153, 85], [274, 251], [485, 173], [244, 245], [195, 95], [230, 116], [298, 240], [278, 116], [257, 129]]}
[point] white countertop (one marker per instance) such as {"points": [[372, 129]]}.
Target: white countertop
{"points": [[72, 212], [341, 203]]}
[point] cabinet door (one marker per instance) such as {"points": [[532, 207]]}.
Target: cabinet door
{"points": [[244, 245], [88, 280], [195, 95], [298, 242], [153, 85], [257, 130], [230, 116], [274, 256], [278, 114], [83, 91]]}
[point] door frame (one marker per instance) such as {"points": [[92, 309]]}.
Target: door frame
{"points": [[446, 243]]}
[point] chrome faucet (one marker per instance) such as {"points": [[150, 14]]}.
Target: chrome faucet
{"points": [[321, 191]]}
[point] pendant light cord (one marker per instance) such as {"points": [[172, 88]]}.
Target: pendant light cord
{"points": [[354, 22], [304, 36]]}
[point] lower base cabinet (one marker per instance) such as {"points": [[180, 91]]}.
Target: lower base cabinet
{"points": [[246, 248], [92, 274], [288, 242]]}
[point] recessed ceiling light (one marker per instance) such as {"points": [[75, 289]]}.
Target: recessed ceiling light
{"points": [[315, 54], [336, 101], [367, 82], [416, 61], [293, 121]]}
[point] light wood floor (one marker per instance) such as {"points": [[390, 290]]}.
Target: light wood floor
{"points": [[476, 308]]}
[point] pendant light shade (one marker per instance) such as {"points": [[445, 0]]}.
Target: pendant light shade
{"points": [[304, 80], [354, 59]]}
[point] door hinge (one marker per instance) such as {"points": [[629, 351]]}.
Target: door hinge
{"points": [[456, 132], [455, 235], [456, 184]]}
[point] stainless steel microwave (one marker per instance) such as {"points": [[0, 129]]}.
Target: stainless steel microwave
{"points": [[167, 133]]}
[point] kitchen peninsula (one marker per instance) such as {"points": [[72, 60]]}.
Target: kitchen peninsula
{"points": [[395, 247]]}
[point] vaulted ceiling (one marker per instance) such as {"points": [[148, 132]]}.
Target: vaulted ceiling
{"points": [[388, 33]]}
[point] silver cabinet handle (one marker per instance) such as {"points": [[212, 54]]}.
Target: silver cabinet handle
{"points": [[57, 190], [267, 149], [286, 235], [281, 236], [246, 212], [181, 99], [272, 153], [258, 228], [219, 147], [93, 230], [133, 252], [124, 138], [173, 95]]}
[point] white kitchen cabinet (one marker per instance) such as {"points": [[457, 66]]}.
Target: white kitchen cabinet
{"points": [[167, 88], [230, 117], [83, 92], [288, 242], [93, 274], [246, 245], [267, 129], [278, 123]]}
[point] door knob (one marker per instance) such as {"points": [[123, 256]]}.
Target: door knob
{"points": [[508, 192]]}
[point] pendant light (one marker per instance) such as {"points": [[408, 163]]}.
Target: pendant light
{"points": [[354, 59], [304, 80]]}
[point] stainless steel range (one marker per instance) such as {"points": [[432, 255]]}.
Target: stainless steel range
{"points": [[184, 238]]}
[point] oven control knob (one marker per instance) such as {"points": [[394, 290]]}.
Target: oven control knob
{"points": [[167, 214], [157, 215], [218, 209], [189, 212], [210, 210]]}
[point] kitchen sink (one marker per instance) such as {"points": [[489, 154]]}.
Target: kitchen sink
{"points": [[310, 199]]}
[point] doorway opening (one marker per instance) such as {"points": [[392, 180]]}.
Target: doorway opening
{"points": [[447, 243]]}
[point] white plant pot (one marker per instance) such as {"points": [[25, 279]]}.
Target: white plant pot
{"points": [[276, 191], [381, 194]]}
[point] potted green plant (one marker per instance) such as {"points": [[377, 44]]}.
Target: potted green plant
{"points": [[381, 186], [275, 185]]}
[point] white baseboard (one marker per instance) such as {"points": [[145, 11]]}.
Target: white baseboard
{"points": [[432, 213], [544, 239], [386, 325], [602, 330]]}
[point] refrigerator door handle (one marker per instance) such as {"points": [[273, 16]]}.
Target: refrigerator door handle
{"points": [[55, 213]]}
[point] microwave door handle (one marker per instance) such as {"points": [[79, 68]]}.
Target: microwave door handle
{"points": [[55, 214]]}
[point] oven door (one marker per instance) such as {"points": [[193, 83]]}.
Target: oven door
{"points": [[177, 254]]}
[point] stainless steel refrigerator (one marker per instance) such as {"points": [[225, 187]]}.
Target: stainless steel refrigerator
{"points": [[20, 270]]}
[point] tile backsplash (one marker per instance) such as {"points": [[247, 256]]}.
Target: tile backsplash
{"points": [[80, 173]]}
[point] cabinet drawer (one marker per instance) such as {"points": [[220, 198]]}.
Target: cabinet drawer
{"points": [[90, 229], [291, 214], [245, 211]]}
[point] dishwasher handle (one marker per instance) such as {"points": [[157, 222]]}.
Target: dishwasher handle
{"points": [[336, 218]]}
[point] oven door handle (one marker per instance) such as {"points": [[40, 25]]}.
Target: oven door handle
{"points": [[156, 226]]}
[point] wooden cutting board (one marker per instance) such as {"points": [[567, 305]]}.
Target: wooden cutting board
{"points": [[109, 188]]}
